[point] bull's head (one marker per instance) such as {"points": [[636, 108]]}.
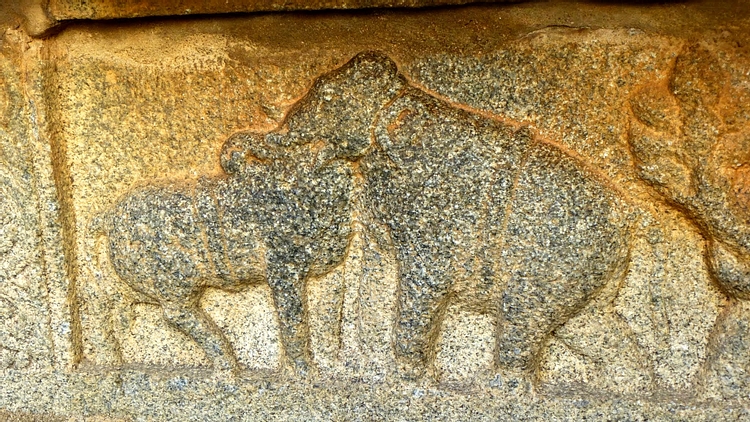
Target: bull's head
{"points": [[689, 145]]}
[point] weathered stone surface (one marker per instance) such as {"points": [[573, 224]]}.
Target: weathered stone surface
{"points": [[24, 327], [109, 9], [373, 217], [41, 16], [35, 318]]}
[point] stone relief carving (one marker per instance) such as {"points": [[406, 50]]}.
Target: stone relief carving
{"points": [[688, 148], [458, 196], [468, 199], [20, 296], [278, 219], [691, 143], [543, 221]]}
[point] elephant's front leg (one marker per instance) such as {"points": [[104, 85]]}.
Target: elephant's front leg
{"points": [[288, 287], [423, 294]]}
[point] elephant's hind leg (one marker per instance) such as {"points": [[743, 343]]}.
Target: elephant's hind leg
{"points": [[565, 239], [192, 321]]}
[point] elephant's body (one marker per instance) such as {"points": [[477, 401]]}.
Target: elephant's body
{"points": [[465, 197]]}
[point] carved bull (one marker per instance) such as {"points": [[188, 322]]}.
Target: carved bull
{"points": [[280, 214], [279, 220]]}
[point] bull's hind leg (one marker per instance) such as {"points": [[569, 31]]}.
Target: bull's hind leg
{"points": [[565, 240], [192, 321]]}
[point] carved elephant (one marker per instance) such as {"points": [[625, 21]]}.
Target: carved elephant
{"points": [[457, 196], [468, 199], [460, 196]]}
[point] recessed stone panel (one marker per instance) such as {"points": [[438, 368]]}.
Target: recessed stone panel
{"points": [[522, 212]]}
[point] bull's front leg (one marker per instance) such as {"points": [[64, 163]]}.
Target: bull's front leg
{"points": [[191, 320], [287, 283]]}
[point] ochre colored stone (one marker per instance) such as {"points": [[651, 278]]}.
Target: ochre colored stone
{"points": [[118, 9], [43, 15], [537, 211]]}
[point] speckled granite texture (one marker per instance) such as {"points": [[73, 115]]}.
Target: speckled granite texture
{"points": [[536, 211]]}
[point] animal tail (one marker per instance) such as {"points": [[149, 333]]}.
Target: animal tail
{"points": [[98, 229], [100, 224]]}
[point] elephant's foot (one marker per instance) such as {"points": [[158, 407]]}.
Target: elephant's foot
{"points": [[411, 367], [512, 381]]}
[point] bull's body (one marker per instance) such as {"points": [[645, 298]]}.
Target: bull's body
{"points": [[169, 243]]}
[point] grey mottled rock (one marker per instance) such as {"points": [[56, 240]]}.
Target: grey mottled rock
{"points": [[526, 212]]}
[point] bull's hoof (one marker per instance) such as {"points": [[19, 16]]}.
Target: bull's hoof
{"points": [[303, 368], [411, 371]]}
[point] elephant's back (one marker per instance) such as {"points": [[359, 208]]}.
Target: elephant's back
{"points": [[564, 219], [435, 162]]}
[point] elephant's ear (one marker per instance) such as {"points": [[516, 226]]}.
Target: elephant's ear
{"points": [[342, 104], [242, 149]]}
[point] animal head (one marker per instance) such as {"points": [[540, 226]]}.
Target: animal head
{"points": [[341, 105], [688, 144], [334, 117]]}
